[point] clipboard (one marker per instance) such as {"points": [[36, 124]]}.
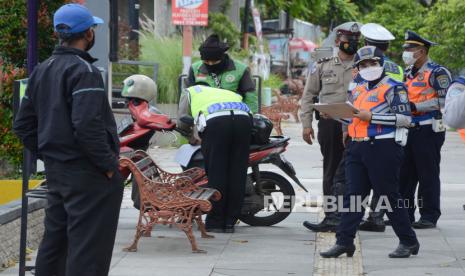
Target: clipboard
{"points": [[336, 110]]}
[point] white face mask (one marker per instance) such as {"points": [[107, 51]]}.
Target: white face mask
{"points": [[408, 57], [371, 73]]}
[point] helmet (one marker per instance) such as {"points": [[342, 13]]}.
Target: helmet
{"points": [[261, 129], [140, 87], [376, 33]]}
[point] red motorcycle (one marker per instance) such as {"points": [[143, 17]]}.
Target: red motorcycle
{"points": [[136, 130], [269, 195]]}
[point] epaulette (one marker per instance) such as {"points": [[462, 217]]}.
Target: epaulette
{"points": [[325, 59]]}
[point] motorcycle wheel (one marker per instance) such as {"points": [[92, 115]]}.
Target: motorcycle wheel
{"points": [[272, 183]]}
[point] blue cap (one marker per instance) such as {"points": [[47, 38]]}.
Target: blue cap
{"points": [[76, 17]]}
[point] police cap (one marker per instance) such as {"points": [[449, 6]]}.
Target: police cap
{"points": [[412, 40], [369, 53], [349, 28]]}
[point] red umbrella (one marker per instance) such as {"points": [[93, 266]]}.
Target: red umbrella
{"points": [[302, 44]]}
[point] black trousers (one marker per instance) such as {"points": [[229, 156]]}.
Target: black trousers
{"points": [[225, 146], [339, 186], [330, 139], [374, 165], [421, 165], [376, 215], [80, 220]]}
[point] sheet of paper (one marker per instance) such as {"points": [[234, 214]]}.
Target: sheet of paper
{"points": [[336, 110], [185, 153]]}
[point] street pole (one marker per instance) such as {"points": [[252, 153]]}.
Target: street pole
{"points": [[32, 8], [245, 25], [133, 8], [186, 48]]}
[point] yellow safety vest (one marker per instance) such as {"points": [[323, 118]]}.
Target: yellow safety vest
{"points": [[207, 100]]}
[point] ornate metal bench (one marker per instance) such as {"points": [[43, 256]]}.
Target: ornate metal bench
{"points": [[169, 199]]}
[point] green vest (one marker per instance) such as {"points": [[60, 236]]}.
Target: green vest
{"points": [[394, 71], [229, 80], [207, 99]]}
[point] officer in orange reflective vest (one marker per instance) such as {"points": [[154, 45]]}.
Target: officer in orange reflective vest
{"points": [[375, 154], [427, 84]]}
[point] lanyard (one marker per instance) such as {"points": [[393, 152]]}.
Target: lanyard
{"points": [[216, 79]]}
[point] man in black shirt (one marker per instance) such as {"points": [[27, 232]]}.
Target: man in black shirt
{"points": [[66, 119]]}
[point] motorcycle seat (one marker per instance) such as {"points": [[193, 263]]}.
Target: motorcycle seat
{"points": [[274, 142]]}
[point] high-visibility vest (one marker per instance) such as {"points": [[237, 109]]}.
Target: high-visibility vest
{"points": [[207, 100], [368, 100], [420, 90], [393, 70]]}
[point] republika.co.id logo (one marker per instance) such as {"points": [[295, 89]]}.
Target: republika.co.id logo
{"points": [[189, 4], [354, 203]]}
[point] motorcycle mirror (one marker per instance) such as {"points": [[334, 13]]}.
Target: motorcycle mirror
{"points": [[188, 120]]}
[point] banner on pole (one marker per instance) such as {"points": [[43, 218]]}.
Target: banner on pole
{"points": [[189, 12], [261, 61]]}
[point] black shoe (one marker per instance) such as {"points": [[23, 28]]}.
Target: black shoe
{"points": [[337, 250], [214, 230], [423, 224], [324, 226], [229, 228], [372, 226], [404, 251]]}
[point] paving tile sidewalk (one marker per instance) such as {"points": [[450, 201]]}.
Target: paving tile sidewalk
{"points": [[288, 248]]}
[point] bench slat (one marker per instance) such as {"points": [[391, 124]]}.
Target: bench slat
{"points": [[142, 164], [150, 172], [207, 194], [196, 194]]}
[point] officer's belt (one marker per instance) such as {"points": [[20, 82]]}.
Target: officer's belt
{"points": [[424, 122], [227, 113], [377, 137]]}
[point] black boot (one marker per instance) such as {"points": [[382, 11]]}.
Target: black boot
{"points": [[326, 225], [214, 230], [372, 225], [404, 251], [337, 250], [423, 224], [229, 228]]}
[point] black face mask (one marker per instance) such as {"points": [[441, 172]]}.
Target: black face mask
{"points": [[217, 68], [350, 47], [91, 43]]}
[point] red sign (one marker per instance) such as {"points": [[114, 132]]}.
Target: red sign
{"points": [[189, 12]]}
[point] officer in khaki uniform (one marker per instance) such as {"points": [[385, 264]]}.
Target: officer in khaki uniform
{"points": [[329, 80]]}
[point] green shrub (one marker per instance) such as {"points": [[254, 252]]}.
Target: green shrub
{"points": [[167, 52], [273, 82], [13, 30], [10, 146], [13, 45]]}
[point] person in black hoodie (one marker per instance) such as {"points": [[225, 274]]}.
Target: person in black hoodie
{"points": [[65, 118]]}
